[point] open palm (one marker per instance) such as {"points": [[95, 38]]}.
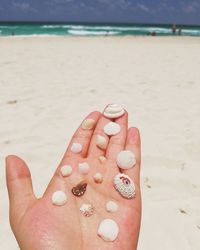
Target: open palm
{"points": [[38, 224]]}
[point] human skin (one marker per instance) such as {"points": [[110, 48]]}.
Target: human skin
{"points": [[39, 225]]}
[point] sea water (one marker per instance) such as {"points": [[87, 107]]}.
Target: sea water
{"points": [[78, 29]]}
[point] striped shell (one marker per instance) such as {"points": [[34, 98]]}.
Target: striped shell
{"points": [[113, 111], [124, 185]]}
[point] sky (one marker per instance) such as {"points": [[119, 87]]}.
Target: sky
{"points": [[131, 11]]}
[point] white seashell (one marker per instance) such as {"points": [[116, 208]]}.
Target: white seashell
{"points": [[87, 209], [102, 159], [108, 230], [84, 168], [124, 185], [126, 159], [59, 198], [98, 178], [88, 124], [111, 206], [76, 147], [101, 142], [66, 170], [113, 111], [112, 128]]}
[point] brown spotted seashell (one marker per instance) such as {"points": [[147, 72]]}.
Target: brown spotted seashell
{"points": [[79, 189], [124, 185]]}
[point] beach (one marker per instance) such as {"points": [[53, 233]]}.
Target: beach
{"points": [[49, 84]]}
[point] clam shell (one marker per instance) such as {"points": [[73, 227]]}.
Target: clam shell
{"points": [[59, 198], [84, 168], [98, 178], [126, 159], [112, 128], [108, 230], [124, 185], [87, 209], [101, 142], [88, 124], [113, 111], [76, 147], [66, 170], [111, 206]]}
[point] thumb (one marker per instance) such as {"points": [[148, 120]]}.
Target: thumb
{"points": [[19, 185]]}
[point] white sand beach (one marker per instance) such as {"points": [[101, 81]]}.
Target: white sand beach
{"points": [[48, 85]]}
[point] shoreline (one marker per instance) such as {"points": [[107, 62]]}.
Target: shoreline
{"points": [[127, 37]]}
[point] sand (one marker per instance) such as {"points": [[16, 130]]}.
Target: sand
{"points": [[48, 85]]}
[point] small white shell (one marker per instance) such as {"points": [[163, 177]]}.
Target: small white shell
{"points": [[112, 128], [111, 206], [102, 159], [84, 168], [76, 147], [59, 198], [87, 209], [108, 230], [113, 111], [101, 142], [66, 170], [98, 178], [126, 159], [124, 185], [88, 124]]}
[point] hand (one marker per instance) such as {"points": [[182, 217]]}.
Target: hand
{"points": [[38, 224]]}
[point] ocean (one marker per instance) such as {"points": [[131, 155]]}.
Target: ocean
{"points": [[60, 29]]}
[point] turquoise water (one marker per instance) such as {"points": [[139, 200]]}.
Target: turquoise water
{"points": [[93, 29]]}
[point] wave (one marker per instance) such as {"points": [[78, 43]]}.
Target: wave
{"points": [[86, 33], [103, 28], [191, 32], [50, 26], [57, 26], [91, 30]]}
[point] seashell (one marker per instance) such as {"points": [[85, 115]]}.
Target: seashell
{"points": [[79, 189], [87, 209], [98, 178], [113, 111], [76, 147], [108, 230], [84, 168], [112, 128], [102, 159], [59, 198], [101, 142], [66, 170], [111, 206], [124, 185], [126, 159], [88, 124]]}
